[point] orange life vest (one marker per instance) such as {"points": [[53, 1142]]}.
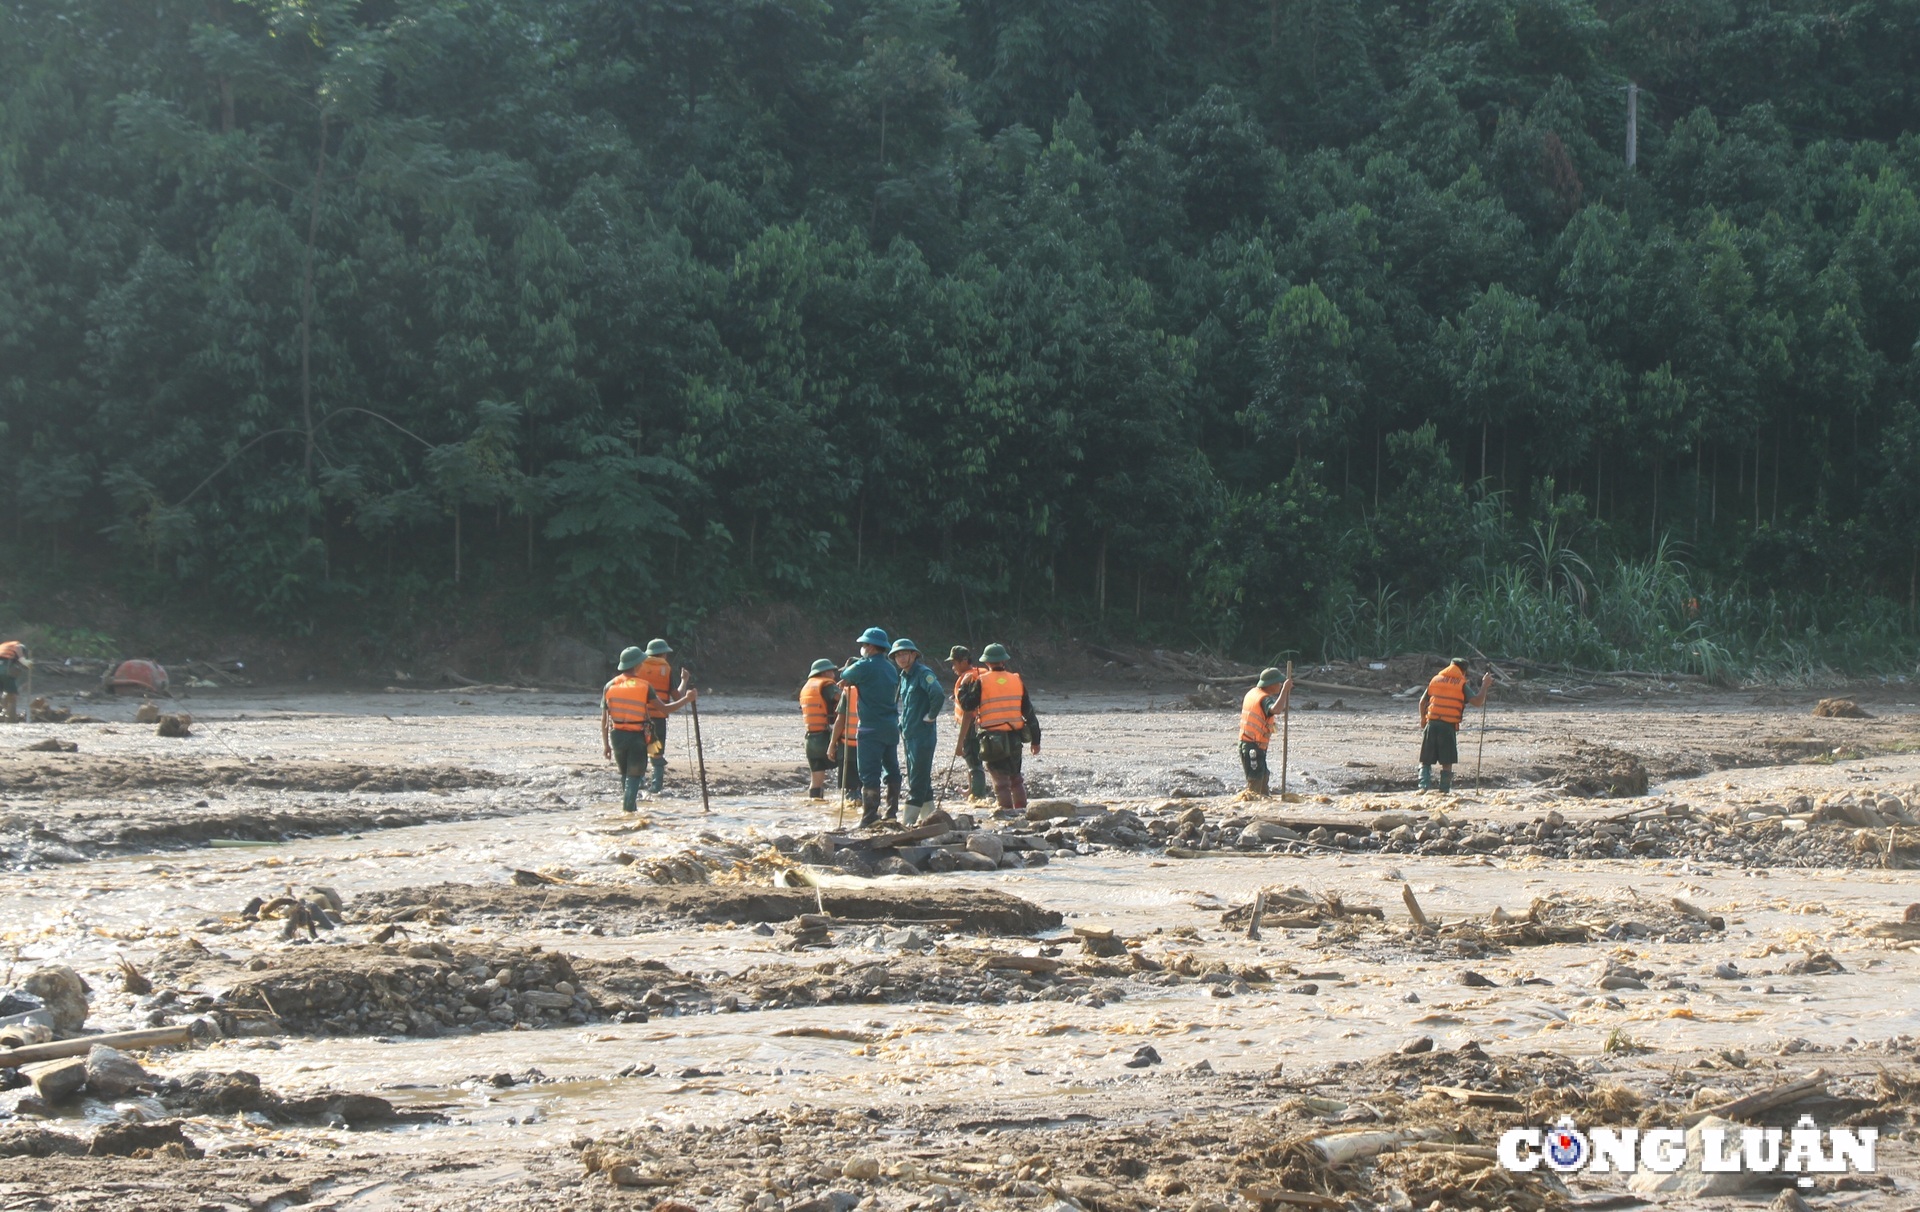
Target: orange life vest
{"points": [[656, 672], [1447, 696], [850, 711], [11, 650], [959, 712], [1256, 726], [627, 699], [813, 703], [1000, 693]]}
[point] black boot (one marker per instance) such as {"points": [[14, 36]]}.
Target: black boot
{"points": [[870, 799], [893, 799]]}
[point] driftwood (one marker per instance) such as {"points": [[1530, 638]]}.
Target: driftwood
{"points": [[1413, 907], [1344, 1147], [1761, 1101], [1039, 965], [125, 1041]]}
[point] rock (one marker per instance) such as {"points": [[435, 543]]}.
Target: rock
{"points": [[1690, 1182], [1307, 990], [1262, 833], [1473, 980], [1387, 822], [1049, 810], [60, 990], [893, 864], [356, 1110], [14, 1003], [52, 745], [1193, 818], [941, 861], [147, 713], [968, 860], [1726, 971], [143, 1140], [111, 1073], [860, 1169], [57, 1079], [175, 724], [987, 844], [1789, 1201], [1816, 964], [1417, 1045], [1143, 1056], [1620, 980]]}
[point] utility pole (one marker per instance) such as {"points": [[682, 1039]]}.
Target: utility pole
{"points": [[1633, 124]]}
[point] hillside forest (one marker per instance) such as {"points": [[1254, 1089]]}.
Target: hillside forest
{"points": [[1324, 327]]}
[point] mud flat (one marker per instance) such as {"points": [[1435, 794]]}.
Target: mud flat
{"points": [[448, 971]]}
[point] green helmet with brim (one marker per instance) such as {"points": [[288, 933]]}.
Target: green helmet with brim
{"points": [[658, 648], [823, 665], [993, 654], [629, 657], [1272, 677]]}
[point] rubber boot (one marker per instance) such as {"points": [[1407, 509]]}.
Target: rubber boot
{"points": [[1426, 778], [893, 799], [816, 793], [659, 775], [1002, 788], [1446, 780], [870, 801], [1020, 792], [977, 784], [629, 792], [911, 816]]}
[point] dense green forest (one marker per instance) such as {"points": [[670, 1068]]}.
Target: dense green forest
{"points": [[1328, 325]]}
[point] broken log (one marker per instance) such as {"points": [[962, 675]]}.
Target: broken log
{"points": [[1760, 1101], [1344, 1147], [150, 1037], [1413, 907]]}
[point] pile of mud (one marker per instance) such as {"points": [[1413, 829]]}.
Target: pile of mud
{"points": [[425, 989], [82, 775], [627, 908]]}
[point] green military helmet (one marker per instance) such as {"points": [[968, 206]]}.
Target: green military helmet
{"points": [[959, 652], [993, 654], [873, 637], [629, 657], [658, 648], [823, 665], [903, 644], [1271, 676]]}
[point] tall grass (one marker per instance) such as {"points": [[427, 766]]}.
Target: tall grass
{"points": [[1652, 614]]}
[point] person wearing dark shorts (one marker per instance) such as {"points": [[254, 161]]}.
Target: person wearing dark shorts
{"points": [[13, 659], [1442, 708], [819, 705]]}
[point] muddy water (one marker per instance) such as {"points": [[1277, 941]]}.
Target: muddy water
{"points": [[1046, 1057]]}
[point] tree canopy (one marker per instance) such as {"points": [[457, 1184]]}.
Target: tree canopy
{"points": [[1247, 321]]}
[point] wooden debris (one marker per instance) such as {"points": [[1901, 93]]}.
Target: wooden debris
{"points": [[1344, 1147], [1259, 911], [1040, 965], [131, 979], [1477, 1098], [1812, 1084], [1413, 907], [1712, 921], [149, 1037], [1267, 1195]]}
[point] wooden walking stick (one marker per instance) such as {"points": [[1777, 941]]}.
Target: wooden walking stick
{"points": [[700, 750], [958, 745], [1286, 730], [1481, 756], [839, 741]]}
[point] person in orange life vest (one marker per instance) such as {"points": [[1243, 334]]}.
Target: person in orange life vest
{"points": [[627, 705], [998, 707], [13, 662], [1442, 707], [960, 659], [657, 672], [820, 704], [1269, 697], [846, 739]]}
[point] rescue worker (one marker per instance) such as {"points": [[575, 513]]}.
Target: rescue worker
{"points": [[921, 698], [628, 706], [877, 738], [820, 705], [998, 707], [967, 748], [13, 663], [1270, 696], [657, 671], [1442, 706]]}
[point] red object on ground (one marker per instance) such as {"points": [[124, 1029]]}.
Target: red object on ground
{"points": [[138, 677]]}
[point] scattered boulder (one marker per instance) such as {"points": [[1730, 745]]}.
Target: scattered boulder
{"points": [[175, 724], [60, 990], [57, 1079], [53, 745], [988, 844], [1690, 1181], [147, 713], [111, 1073]]}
